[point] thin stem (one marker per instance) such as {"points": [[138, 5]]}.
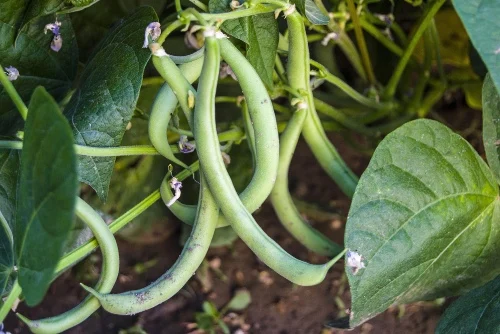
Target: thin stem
{"points": [[12, 92], [423, 25], [348, 89], [200, 5], [94, 151], [258, 9], [11, 299], [152, 81], [436, 46], [383, 39], [178, 7], [168, 30], [360, 38]]}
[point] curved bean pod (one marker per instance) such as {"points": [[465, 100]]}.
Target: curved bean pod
{"points": [[176, 277], [266, 144], [110, 269], [313, 132], [162, 109], [220, 184], [177, 82], [282, 201], [198, 54]]}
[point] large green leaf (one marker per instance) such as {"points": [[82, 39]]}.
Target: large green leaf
{"points": [[480, 18], [104, 103], [32, 56], [46, 195], [425, 219], [92, 24], [259, 32], [477, 312], [9, 167], [491, 125]]}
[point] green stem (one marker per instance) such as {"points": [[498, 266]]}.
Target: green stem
{"points": [[360, 38], [94, 151], [11, 299], [424, 22], [200, 5], [437, 48], [324, 73], [12, 92], [81, 252], [152, 81], [383, 39], [256, 10], [168, 30]]}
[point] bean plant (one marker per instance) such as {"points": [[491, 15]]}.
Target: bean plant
{"points": [[424, 218]]}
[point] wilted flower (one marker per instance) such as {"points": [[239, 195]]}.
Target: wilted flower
{"points": [[331, 36], [185, 146], [176, 185], [12, 73], [225, 71], [154, 30], [355, 261]]}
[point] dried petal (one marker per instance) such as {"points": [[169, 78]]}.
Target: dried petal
{"points": [[355, 261], [176, 185], [56, 44], [54, 27]]}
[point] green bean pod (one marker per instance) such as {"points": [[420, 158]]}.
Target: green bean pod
{"points": [[110, 269], [220, 184], [313, 132], [163, 107], [282, 201], [177, 82], [178, 275], [266, 144]]}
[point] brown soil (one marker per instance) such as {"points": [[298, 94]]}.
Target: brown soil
{"points": [[278, 307]]}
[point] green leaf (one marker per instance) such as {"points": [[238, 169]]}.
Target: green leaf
{"points": [[46, 195], [425, 219], [480, 18], [9, 167], [259, 32], [476, 312], [240, 301], [312, 11], [38, 65], [491, 125], [104, 103]]}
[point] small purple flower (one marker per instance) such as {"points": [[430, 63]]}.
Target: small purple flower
{"points": [[55, 28], [154, 30], [12, 73], [185, 146]]}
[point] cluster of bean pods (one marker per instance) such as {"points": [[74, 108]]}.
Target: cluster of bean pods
{"points": [[219, 203]]}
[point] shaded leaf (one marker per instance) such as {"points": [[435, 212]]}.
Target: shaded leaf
{"points": [[424, 218], [476, 312], [480, 18], [240, 301], [259, 32], [104, 103], [38, 65], [92, 24], [9, 167], [46, 195], [491, 125], [311, 11]]}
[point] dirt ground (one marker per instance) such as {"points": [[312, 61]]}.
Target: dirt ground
{"points": [[278, 307]]}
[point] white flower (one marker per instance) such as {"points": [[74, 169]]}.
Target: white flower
{"points": [[355, 261], [331, 36], [12, 73], [154, 30]]}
